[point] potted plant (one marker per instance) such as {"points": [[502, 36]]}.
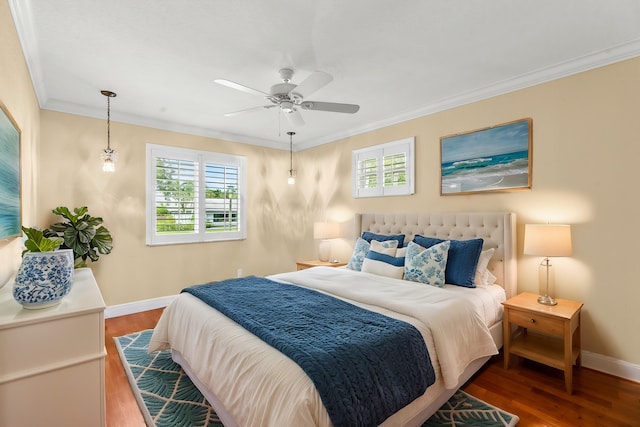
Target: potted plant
{"points": [[45, 275], [81, 233]]}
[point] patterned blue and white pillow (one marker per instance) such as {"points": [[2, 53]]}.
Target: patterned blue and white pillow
{"points": [[384, 261], [462, 259], [360, 252], [426, 265]]}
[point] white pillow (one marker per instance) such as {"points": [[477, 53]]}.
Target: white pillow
{"points": [[387, 247], [426, 265], [482, 273], [383, 260], [489, 278]]}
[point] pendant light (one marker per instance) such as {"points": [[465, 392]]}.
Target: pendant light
{"points": [[108, 155], [292, 173]]}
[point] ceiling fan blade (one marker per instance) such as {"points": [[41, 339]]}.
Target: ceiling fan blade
{"points": [[235, 113], [294, 118], [311, 84], [238, 86], [330, 106]]}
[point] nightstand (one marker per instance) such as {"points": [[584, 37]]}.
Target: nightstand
{"points": [[316, 263], [548, 334]]}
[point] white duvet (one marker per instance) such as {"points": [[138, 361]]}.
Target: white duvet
{"points": [[259, 386]]}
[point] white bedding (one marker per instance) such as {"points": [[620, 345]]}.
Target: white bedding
{"points": [[487, 300], [258, 386]]}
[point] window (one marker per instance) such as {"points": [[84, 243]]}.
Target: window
{"points": [[194, 196], [384, 170]]}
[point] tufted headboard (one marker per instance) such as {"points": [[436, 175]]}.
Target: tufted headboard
{"points": [[498, 229]]}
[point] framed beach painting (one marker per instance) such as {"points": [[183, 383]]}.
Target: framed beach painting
{"points": [[496, 158], [9, 176]]}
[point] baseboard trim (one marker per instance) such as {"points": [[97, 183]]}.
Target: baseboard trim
{"points": [[609, 365], [137, 306], [595, 361]]}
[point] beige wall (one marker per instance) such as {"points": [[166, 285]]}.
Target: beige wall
{"points": [[18, 98], [70, 175], [585, 152], [586, 146]]}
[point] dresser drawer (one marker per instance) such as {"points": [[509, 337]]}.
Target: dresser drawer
{"points": [[537, 322], [42, 346]]}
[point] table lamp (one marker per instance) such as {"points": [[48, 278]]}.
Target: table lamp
{"points": [[547, 240], [325, 231]]}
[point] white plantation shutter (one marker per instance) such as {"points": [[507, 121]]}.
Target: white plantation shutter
{"points": [[367, 171], [384, 170], [176, 189], [194, 196], [222, 212]]}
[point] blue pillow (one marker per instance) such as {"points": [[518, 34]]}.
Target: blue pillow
{"points": [[462, 259], [369, 236]]}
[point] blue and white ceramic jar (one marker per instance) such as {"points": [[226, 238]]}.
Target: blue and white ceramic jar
{"points": [[44, 278]]}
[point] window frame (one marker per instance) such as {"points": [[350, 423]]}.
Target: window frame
{"points": [[379, 152], [200, 157]]}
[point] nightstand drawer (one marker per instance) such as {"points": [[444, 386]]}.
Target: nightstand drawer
{"points": [[537, 322]]}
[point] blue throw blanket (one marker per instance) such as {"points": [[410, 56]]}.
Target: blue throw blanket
{"points": [[365, 366]]}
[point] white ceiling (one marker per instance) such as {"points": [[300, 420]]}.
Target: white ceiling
{"points": [[397, 59]]}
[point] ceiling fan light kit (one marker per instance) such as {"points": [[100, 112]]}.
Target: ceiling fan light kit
{"points": [[291, 97]]}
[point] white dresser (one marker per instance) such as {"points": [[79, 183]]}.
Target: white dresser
{"points": [[52, 359]]}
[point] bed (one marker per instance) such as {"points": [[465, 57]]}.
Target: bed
{"points": [[250, 383]]}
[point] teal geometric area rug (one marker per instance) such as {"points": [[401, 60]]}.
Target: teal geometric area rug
{"points": [[168, 398], [165, 394]]}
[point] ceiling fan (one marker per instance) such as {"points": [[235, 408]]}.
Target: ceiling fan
{"points": [[291, 97]]}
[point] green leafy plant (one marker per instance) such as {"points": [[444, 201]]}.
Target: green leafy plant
{"points": [[82, 233], [37, 242]]}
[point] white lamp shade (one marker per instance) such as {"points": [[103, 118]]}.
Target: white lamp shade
{"points": [[548, 240], [326, 230]]}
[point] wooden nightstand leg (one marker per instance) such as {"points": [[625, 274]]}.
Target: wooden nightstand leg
{"points": [[506, 344], [568, 357], [578, 343]]}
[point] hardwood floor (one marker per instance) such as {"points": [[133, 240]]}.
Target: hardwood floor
{"points": [[532, 391], [122, 408]]}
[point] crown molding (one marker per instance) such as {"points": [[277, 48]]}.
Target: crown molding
{"points": [[25, 28]]}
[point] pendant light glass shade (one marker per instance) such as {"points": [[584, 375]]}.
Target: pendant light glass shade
{"points": [[109, 158], [108, 155]]}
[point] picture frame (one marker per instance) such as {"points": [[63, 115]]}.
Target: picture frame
{"points": [[10, 182], [491, 159]]}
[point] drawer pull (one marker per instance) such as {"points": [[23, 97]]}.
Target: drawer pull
{"points": [[533, 320]]}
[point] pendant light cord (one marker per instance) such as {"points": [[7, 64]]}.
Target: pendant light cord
{"points": [[290, 133], [109, 122], [109, 95]]}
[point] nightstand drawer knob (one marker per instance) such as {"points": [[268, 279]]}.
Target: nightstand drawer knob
{"points": [[533, 320]]}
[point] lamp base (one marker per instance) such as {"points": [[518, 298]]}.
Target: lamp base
{"points": [[547, 300], [324, 250]]}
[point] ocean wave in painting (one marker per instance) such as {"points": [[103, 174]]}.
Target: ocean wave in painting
{"points": [[9, 178], [510, 170]]}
